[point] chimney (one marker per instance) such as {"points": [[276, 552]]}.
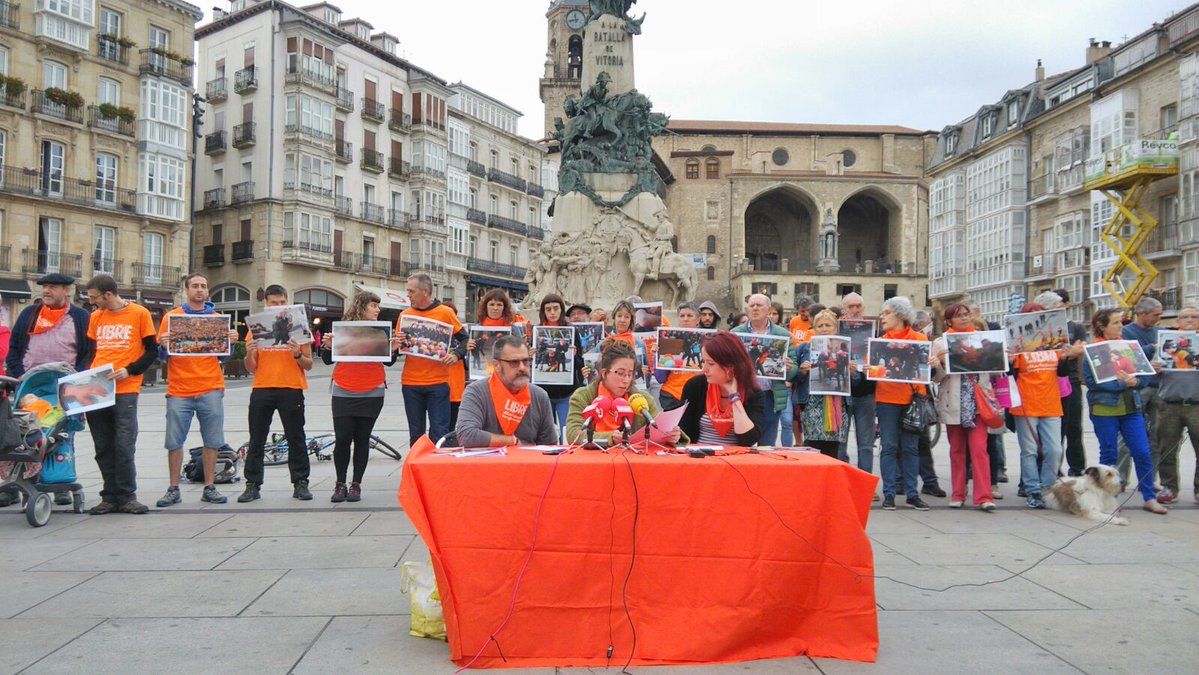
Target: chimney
{"points": [[1097, 51], [1039, 73]]}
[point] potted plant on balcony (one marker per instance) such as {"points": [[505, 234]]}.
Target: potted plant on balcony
{"points": [[124, 113], [126, 42], [14, 86], [64, 97], [187, 61]]}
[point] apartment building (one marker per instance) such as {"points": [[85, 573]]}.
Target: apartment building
{"points": [[95, 120]]}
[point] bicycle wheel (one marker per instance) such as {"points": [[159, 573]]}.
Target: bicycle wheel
{"points": [[383, 447], [274, 454]]}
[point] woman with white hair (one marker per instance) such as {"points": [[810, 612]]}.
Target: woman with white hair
{"points": [[891, 401]]}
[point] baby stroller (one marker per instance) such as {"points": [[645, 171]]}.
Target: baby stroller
{"points": [[38, 463]]}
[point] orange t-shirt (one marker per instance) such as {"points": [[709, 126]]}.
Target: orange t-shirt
{"points": [[1037, 381], [278, 369], [359, 377], [899, 393], [801, 330], [118, 335], [457, 381], [191, 376], [675, 382], [424, 372]]}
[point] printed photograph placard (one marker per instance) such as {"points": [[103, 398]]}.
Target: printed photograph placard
{"points": [[591, 334], [426, 338], [1178, 349], [830, 356], [1037, 331], [768, 354], [274, 327], [976, 352], [899, 361], [197, 335], [87, 390], [859, 332], [647, 317], [479, 358], [1108, 358], [679, 348], [553, 355], [362, 341]]}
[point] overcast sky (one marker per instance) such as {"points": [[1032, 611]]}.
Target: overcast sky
{"points": [[919, 63]]}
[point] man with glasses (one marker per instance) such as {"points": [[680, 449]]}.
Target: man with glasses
{"points": [[506, 409], [861, 400], [1179, 409]]}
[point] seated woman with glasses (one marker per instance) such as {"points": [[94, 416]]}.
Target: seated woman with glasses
{"points": [[617, 370], [724, 404]]}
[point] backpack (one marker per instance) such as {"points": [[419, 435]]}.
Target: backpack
{"points": [[228, 464]]}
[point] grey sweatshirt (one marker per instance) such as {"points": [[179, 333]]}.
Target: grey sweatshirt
{"points": [[1179, 387], [477, 419]]}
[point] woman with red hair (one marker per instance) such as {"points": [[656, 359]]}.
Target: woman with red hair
{"points": [[724, 404]]}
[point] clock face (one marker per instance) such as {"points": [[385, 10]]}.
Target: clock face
{"points": [[575, 20]]}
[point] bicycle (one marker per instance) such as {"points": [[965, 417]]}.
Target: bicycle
{"points": [[275, 451]]}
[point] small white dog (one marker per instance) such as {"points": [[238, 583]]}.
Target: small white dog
{"points": [[1091, 495]]}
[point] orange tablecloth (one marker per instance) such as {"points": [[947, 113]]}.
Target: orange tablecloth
{"points": [[716, 577]]}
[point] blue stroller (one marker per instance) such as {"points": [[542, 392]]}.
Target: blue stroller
{"points": [[37, 462]]}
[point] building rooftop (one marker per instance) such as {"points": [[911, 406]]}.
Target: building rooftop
{"points": [[786, 128]]}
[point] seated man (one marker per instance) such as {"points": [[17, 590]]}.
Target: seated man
{"points": [[505, 409]]}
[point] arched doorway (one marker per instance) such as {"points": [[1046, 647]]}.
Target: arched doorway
{"points": [[864, 227], [323, 307], [778, 226], [234, 301]]}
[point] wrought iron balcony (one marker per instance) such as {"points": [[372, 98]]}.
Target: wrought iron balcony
{"points": [[398, 218], [1171, 298], [428, 124], [373, 110], [495, 268], [372, 160], [214, 143], [109, 49], [45, 262], [399, 268], [343, 150], [304, 76], [162, 276], [344, 260], [399, 120], [12, 100], [343, 205], [507, 224], [290, 184], [426, 171], [345, 100], [42, 104], [110, 266], [114, 124], [154, 63], [214, 255], [506, 179], [57, 187], [243, 135], [307, 132], [245, 80], [535, 190], [536, 233], [372, 264], [215, 90], [10, 15], [215, 198], [306, 247], [476, 216], [476, 168], [242, 193], [373, 213], [398, 168], [243, 250]]}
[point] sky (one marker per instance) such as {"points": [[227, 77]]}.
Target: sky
{"points": [[922, 64]]}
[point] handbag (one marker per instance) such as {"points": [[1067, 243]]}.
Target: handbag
{"points": [[920, 414], [988, 408]]}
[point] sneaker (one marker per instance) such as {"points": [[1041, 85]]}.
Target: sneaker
{"points": [[339, 493], [134, 507], [888, 503], [933, 491], [1020, 491], [212, 496], [917, 503], [171, 497], [355, 494], [301, 491], [62, 499], [996, 493], [1034, 501], [102, 508], [1002, 476], [253, 491], [1166, 496], [987, 506], [955, 504]]}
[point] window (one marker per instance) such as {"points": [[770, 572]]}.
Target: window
{"points": [[1169, 116], [110, 23], [495, 251], [163, 114], [845, 289], [312, 59], [68, 21], [711, 274], [1013, 112], [951, 143], [368, 249], [495, 159], [515, 170], [495, 205], [3, 61], [49, 244], [308, 173], [534, 217], [780, 157], [54, 74], [104, 249], [512, 210], [513, 255], [474, 152], [109, 91], [848, 158], [53, 160], [308, 231], [106, 178], [988, 125], [161, 192], [712, 168], [711, 244], [3, 150], [309, 115], [693, 168], [459, 235], [152, 256]]}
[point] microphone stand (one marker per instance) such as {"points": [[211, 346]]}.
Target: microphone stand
{"points": [[591, 444]]}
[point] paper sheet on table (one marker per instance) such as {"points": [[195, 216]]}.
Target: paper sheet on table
{"points": [[664, 424]]}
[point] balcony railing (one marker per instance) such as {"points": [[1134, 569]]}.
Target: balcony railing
{"points": [[507, 224], [306, 247], [476, 216], [1164, 239], [506, 179], [373, 213], [243, 135], [215, 90], [109, 49], [245, 80], [1042, 186], [476, 168], [162, 66], [150, 274], [373, 110], [399, 120], [535, 190], [536, 233], [430, 263], [344, 260], [56, 187], [307, 132], [12, 100], [372, 160], [419, 170], [214, 255], [371, 264], [344, 151], [10, 15], [242, 193], [111, 267], [43, 105], [495, 268], [312, 78], [399, 168], [345, 100], [45, 262], [114, 124], [1070, 179], [215, 198], [243, 250], [343, 205], [398, 218], [1171, 298], [428, 124], [399, 268], [214, 143], [289, 183]]}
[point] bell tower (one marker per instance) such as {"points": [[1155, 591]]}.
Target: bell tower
{"points": [[563, 57]]}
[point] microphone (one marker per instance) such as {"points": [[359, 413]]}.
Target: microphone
{"points": [[640, 406], [592, 414], [624, 414]]}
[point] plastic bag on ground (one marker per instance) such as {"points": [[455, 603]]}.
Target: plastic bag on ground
{"points": [[419, 582]]}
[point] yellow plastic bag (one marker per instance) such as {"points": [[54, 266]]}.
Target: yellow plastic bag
{"points": [[419, 582]]}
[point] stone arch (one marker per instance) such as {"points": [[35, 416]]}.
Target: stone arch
{"points": [[868, 222], [780, 224]]}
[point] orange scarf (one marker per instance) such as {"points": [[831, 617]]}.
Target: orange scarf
{"points": [[608, 422], [627, 336], [488, 321], [722, 420], [509, 408], [47, 318]]}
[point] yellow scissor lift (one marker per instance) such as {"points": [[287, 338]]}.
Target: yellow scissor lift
{"points": [[1123, 176]]}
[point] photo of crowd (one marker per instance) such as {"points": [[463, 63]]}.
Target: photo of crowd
{"points": [[553, 355], [426, 338], [859, 332], [768, 354], [274, 327], [899, 361], [198, 335], [679, 348], [976, 352], [1108, 358], [1178, 350], [830, 355], [1037, 331], [89, 390], [479, 359], [362, 341]]}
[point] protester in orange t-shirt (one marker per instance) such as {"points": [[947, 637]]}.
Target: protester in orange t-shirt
{"points": [[457, 380], [279, 384], [425, 381], [891, 402], [124, 336], [195, 388], [801, 323]]}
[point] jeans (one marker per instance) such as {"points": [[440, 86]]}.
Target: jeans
{"points": [[972, 442], [1172, 418], [1043, 434], [561, 408], [208, 408], [787, 423], [289, 403], [1150, 403], [861, 416], [1131, 428], [899, 447], [770, 421], [432, 400], [928, 472], [114, 434], [1076, 453]]}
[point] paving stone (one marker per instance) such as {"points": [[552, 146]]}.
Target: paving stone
{"points": [[326, 524], [1013, 593], [165, 594], [16, 554], [969, 549], [23, 590], [319, 553], [334, 592], [149, 554], [23, 642], [149, 526], [14, 526], [1122, 586], [385, 522], [1129, 545]]}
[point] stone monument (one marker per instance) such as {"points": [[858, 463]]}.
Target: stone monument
{"points": [[612, 236]]}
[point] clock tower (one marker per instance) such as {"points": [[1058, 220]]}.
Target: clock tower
{"points": [[563, 57]]}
